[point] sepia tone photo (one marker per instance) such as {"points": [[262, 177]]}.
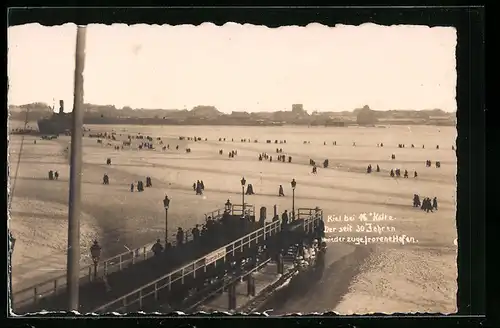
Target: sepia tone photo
{"points": [[234, 168]]}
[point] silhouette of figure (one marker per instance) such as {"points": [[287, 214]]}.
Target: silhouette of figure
{"points": [[157, 248], [180, 236], [435, 203], [416, 200], [284, 218]]}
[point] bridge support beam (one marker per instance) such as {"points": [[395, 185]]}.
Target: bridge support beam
{"points": [[280, 264], [231, 292], [250, 285]]}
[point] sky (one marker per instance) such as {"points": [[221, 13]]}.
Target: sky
{"points": [[238, 67]]}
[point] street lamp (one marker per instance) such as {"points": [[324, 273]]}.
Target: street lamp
{"points": [[228, 206], [95, 252], [243, 182], [166, 203], [294, 184]]}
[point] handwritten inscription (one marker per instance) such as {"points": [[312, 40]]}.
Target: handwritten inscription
{"points": [[374, 227], [365, 240], [365, 227], [376, 217]]}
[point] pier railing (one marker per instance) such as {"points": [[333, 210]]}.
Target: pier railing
{"points": [[236, 209], [111, 265], [306, 213], [233, 279], [309, 216]]}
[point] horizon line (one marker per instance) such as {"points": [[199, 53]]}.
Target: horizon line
{"points": [[246, 111]]}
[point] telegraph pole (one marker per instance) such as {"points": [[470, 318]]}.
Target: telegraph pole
{"points": [[74, 210]]}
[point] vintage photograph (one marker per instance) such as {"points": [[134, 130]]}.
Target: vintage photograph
{"points": [[234, 168]]}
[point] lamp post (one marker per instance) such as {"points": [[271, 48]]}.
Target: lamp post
{"points": [[166, 204], [95, 252], [228, 206], [293, 183], [243, 182]]}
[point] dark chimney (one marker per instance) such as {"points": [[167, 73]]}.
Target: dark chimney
{"points": [[61, 106]]}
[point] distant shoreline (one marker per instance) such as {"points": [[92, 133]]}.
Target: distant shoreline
{"points": [[285, 125], [280, 125], [16, 123]]}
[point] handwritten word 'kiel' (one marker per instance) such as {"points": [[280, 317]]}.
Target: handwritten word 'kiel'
{"points": [[362, 217]]}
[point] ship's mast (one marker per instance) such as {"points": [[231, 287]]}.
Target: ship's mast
{"points": [[26, 118], [14, 179]]}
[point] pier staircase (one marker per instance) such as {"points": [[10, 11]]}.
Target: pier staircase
{"points": [[179, 289], [121, 274]]}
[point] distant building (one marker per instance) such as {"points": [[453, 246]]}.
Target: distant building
{"points": [[240, 114], [335, 122], [365, 116], [298, 109]]}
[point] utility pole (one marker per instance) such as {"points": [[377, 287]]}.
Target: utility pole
{"points": [[74, 210]]}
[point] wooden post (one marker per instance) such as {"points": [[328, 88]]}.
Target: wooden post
{"points": [[280, 264], [74, 209], [250, 285], [262, 217], [232, 296]]}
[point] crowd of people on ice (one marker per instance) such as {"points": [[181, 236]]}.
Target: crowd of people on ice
{"points": [[426, 204], [53, 175], [199, 187], [147, 142]]}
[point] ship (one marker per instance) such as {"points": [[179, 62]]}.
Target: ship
{"points": [[57, 123]]}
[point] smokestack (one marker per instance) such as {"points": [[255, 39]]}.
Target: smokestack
{"points": [[61, 106]]}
